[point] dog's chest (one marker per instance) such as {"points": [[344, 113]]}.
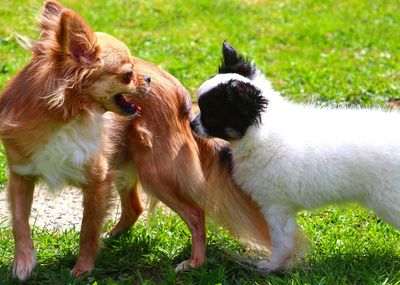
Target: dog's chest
{"points": [[245, 169], [254, 169], [63, 158]]}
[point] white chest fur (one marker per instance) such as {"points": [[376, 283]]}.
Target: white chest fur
{"points": [[62, 160]]}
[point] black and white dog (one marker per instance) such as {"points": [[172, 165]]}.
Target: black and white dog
{"points": [[289, 156]]}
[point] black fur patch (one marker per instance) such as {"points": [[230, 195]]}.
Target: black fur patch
{"points": [[229, 109], [225, 157], [234, 63], [252, 104]]}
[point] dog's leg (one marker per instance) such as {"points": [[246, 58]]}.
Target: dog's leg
{"points": [[20, 191], [387, 208], [195, 220], [193, 216], [282, 226], [95, 205], [131, 209]]}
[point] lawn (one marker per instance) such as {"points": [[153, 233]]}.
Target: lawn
{"points": [[323, 51]]}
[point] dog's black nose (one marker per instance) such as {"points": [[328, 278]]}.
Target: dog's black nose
{"points": [[147, 79], [192, 125]]}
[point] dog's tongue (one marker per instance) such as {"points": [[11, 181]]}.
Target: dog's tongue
{"points": [[130, 108]]}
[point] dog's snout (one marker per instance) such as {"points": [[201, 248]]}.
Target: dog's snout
{"points": [[198, 128], [147, 79], [192, 124]]}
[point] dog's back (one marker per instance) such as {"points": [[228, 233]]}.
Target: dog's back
{"points": [[323, 155]]}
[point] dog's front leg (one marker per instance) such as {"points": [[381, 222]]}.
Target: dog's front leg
{"points": [[95, 205], [283, 229], [20, 193]]}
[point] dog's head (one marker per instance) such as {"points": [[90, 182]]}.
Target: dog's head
{"points": [[229, 102], [85, 70]]}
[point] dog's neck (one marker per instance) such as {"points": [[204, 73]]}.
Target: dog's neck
{"points": [[277, 106], [29, 93]]}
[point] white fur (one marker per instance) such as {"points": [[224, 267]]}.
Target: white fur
{"points": [[62, 160], [306, 157], [217, 80]]}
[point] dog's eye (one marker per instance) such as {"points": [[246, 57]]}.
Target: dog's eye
{"points": [[127, 77]]}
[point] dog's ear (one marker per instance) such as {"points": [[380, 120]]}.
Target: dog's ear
{"points": [[65, 35], [50, 18], [249, 99], [232, 62], [77, 39]]}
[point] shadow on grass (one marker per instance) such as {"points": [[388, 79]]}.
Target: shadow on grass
{"points": [[131, 258], [120, 260], [139, 258], [374, 267]]}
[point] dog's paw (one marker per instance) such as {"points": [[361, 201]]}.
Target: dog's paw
{"points": [[119, 228], [268, 267], [82, 267], [187, 264], [115, 232], [24, 263]]}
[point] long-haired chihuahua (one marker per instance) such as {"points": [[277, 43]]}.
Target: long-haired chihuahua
{"points": [[51, 124]]}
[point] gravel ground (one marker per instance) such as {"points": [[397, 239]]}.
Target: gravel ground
{"points": [[61, 210]]}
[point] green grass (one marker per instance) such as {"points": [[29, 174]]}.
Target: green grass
{"points": [[349, 247], [328, 52]]}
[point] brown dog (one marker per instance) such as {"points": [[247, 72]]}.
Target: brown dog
{"points": [[190, 175], [51, 124]]}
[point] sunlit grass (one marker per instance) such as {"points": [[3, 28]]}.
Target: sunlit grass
{"points": [[328, 52]]}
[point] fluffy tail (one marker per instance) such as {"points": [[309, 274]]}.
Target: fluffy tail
{"points": [[225, 202]]}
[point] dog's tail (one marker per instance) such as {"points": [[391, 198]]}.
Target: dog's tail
{"points": [[225, 202]]}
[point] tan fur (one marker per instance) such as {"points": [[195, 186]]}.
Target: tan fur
{"points": [[72, 78], [186, 173]]}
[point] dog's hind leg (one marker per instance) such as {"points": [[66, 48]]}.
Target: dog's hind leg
{"points": [[195, 220], [193, 216], [131, 209], [20, 191], [387, 209]]}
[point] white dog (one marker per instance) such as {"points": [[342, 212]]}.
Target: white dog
{"points": [[289, 156]]}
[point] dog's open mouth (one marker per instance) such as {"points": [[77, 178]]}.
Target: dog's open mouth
{"points": [[125, 106]]}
